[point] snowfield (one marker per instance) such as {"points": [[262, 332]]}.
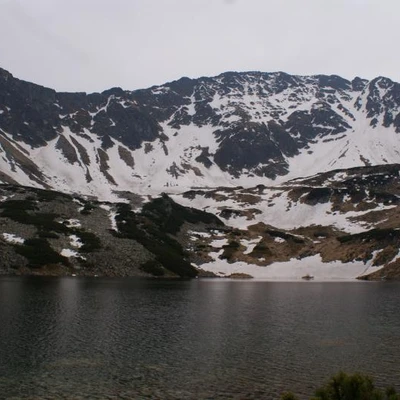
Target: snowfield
{"points": [[293, 269]]}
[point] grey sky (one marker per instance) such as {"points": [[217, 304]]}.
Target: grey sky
{"points": [[91, 45]]}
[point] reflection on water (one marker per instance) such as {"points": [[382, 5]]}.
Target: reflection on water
{"points": [[201, 339]]}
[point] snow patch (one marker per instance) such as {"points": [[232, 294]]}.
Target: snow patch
{"points": [[250, 244], [113, 221], [75, 241], [292, 270], [12, 238], [69, 253], [219, 243]]}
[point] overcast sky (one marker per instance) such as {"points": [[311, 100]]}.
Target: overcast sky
{"points": [[92, 45]]}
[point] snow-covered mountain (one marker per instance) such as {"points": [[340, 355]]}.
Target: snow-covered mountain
{"points": [[234, 129], [300, 174]]}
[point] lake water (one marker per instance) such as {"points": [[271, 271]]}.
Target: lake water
{"points": [[73, 338]]}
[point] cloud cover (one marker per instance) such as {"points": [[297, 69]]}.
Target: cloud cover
{"points": [[91, 45]]}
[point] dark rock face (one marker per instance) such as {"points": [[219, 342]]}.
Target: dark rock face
{"points": [[358, 84], [249, 149], [320, 121], [67, 149], [29, 111], [129, 125], [35, 114]]}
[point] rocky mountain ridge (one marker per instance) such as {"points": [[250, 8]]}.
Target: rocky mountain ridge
{"points": [[264, 174], [233, 129]]}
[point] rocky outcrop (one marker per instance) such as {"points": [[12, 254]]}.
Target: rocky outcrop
{"points": [[36, 115], [46, 232]]}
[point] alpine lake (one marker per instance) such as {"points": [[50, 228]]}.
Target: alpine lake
{"points": [[103, 338]]}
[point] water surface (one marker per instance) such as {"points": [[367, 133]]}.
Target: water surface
{"points": [[200, 339]]}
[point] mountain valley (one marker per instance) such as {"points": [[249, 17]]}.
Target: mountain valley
{"points": [[255, 174]]}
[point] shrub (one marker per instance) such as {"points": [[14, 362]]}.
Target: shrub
{"points": [[87, 208], [90, 241], [48, 235], [349, 387], [153, 267], [38, 252], [50, 195], [43, 221], [18, 205], [229, 250]]}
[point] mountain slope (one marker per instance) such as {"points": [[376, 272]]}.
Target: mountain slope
{"points": [[47, 232], [337, 225], [340, 224], [300, 175], [233, 129]]}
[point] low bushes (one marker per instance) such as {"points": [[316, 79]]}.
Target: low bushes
{"points": [[38, 253], [349, 387]]}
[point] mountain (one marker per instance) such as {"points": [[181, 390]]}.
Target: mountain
{"points": [[239, 145], [234, 129]]}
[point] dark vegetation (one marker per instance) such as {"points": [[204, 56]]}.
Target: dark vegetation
{"points": [[38, 250], [23, 211], [261, 250], [151, 231], [229, 250], [87, 208], [227, 213], [50, 195], [318, 195], [170, 216], [153, 267], [39, 253], [385, 235], [41, 195], [89, 240], [154, 228], [349, 387]]}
